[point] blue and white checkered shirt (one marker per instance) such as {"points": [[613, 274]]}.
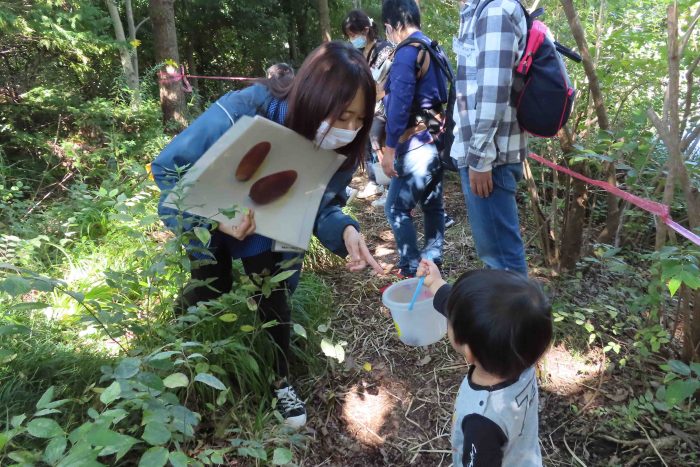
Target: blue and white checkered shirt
{"points": [[488, 48]]}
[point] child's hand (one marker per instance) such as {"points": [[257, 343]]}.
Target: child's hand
{"points": [[433, 278]]}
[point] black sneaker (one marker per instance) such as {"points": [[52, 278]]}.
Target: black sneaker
{"points": [[449, 222], [291, 407]]}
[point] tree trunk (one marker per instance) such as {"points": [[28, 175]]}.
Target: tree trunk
{"points": [[129, 61], [132, 36], [691, 339], [303, 40], [192, 65], [325, 20], [172, 98], [571, 236], [542, 223], [613, 217], [669, 129], [289, 7]]}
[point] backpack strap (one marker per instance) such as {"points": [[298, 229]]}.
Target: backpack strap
{"points": [[535, 38], [432, 50], [435, 116], [422, 62], [370, 55], [423, 55]]}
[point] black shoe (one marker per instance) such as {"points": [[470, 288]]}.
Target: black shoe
{"points": [[449, 222], [291, 407]]}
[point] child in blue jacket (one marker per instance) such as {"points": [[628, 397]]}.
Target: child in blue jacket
{"points": [[330, 101]]}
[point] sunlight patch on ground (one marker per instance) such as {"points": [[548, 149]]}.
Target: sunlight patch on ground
{"points": [[566, 374], [365, 410], [382, 251]]}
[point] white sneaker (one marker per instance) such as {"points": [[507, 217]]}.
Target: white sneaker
{"points": [[378, 203], [291, 407], [370, 190], [352, 194]]}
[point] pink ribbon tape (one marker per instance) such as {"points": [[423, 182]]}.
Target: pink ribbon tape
{"points": [[648, 205]]}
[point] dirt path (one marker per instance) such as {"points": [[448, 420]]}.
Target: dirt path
{"points": [[391, 404], [399, 411]]}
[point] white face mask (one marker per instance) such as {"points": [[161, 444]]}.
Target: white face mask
{"points": [[389, 30], [330, 137]]}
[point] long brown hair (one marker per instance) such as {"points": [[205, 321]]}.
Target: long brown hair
{"points": [[324, 87]]}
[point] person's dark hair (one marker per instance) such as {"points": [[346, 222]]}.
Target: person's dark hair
{"points": [[324, 87], [280, 71], [401, 13], [278, 79], [503, 316], [356, 21]]}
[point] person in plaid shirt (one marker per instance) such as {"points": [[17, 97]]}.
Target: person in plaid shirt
{"points": [[489, 145]]}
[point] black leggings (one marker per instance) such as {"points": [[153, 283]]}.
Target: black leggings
{"points": [[275, 307]]}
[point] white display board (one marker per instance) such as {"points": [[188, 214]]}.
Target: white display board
{"points": [[211, 185]]}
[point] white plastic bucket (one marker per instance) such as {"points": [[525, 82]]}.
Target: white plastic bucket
{"points": [[379, 174], [423, 325]]}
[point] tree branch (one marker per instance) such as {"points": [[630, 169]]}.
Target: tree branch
{"points": [[588, 65], [624, 100], [689, 32], [660, 126], [688, 93], [136, 29], [688, 140], [130, 21]]}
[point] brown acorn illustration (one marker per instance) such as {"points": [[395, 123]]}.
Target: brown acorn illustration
{"points": [[272, 187], [252, 161]]}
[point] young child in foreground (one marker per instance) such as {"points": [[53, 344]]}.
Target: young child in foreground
{"points": [[501, 322]]}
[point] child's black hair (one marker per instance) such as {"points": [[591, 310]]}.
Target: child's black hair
{"points": [[503, 316]]}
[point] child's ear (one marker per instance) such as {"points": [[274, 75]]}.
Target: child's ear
{"points": [[467, 352]]}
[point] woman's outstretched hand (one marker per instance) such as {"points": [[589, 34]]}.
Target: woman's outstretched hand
{"points": [[360, 257], [242, 230]]}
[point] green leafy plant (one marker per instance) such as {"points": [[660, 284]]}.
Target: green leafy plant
{"points": [[681, 382]]}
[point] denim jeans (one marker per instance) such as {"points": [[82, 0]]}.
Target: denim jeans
{"points": [[370, 158], [494, 219], [419, 182]]}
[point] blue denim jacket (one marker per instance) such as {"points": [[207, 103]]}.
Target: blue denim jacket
{"points": [[187, 147]]}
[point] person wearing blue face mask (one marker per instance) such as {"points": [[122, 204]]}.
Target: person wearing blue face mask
{"points": [[362, 32], [331, 102]]}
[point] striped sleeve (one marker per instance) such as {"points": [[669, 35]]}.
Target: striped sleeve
{"points": [[496, 35]]}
